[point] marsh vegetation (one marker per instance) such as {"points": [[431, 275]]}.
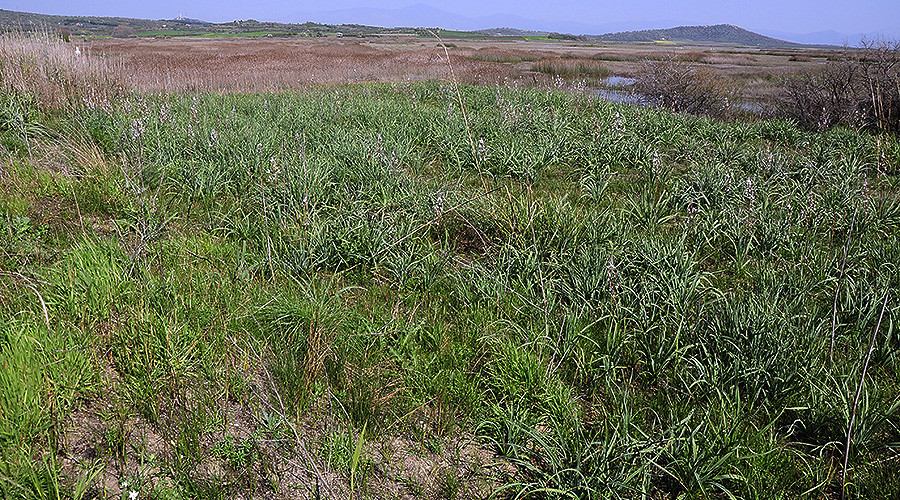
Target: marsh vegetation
{"points": [[432, 290]]}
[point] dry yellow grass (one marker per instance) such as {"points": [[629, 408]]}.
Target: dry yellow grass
{"points": [[248, 65], [56, 74]]}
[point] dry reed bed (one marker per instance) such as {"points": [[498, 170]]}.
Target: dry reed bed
{"points": [[56, 74], [267, 65]]}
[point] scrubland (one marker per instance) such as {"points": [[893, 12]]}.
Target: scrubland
{"points": [[429, 289]]}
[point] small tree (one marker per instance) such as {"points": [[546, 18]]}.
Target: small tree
{"points": [[122, 31]]}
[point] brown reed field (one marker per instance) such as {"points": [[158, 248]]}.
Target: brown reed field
{"points": [[271, 64]]}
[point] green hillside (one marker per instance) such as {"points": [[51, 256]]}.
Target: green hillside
{"points": [[104, 26], [719, 33]]}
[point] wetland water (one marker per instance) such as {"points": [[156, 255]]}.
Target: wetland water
{"points": [[621, 89]]}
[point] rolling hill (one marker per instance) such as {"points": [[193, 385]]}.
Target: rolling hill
{"points": [[104, 26], [719, 33]]}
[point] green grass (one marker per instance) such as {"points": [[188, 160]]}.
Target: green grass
{"points": [[612, 301]]}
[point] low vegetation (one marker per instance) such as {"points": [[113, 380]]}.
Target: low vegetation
{"points": [[422, 289], [686, 88]]}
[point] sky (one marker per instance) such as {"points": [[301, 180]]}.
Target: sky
{"points": [[794, 16]]}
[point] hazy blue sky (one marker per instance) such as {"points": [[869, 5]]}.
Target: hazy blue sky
{"points": [[797, 16]]}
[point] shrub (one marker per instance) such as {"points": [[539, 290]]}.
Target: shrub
{"points": [[861, 89], [683, 87], [123, 31], [561, 36], [822, 99]]}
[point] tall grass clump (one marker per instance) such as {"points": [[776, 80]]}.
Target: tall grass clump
{"points": [[570, 67], [41, 68]]}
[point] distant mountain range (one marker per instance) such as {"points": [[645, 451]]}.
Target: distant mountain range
{"points": [[411, 16], [421, 15]]}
